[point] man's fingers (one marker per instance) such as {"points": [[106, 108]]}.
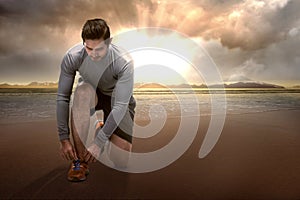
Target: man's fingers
{"points": [[67, 151], [86, 153], [87, 157], [90, 157], [74, 155], [70, 155], [93, 159], [66, 157], [63, 156]]}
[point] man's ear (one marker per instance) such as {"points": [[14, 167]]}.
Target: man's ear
{"points": [[108, 41]]}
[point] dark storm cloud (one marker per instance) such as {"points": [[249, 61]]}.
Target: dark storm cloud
{"points": [[256, 24], [35, 34], [58, 13], [249, 24]]}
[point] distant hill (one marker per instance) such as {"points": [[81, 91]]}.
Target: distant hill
{"points": [[231, 85], [157, 85], [251, 85], [42, 84], [188, 86], [4, 85], [31, 85], [149, 85]]}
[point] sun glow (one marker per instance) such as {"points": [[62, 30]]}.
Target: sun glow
{"points": [[155, 49], [157, 65]]}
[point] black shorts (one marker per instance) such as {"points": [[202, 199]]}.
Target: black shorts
{"points": [[104, 104]]}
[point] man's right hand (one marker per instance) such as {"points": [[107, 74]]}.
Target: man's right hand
{"points": [[67, 150]]}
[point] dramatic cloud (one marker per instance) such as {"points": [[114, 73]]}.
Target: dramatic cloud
{"points": [[249, 24], [248, 69], [239, 34], [35, 34]]}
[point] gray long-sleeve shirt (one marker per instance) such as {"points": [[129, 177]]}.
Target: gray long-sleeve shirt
{"points": [[113, 75]]}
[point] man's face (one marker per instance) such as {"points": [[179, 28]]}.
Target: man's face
{"points": [[96, 49]]}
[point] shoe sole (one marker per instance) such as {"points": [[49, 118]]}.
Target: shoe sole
{"points": [[76, 179]]}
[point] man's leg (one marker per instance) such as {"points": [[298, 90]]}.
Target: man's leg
{"points": [[84, 99]]}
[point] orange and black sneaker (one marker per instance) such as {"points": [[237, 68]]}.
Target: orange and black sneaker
{"points": [[78, 171]]}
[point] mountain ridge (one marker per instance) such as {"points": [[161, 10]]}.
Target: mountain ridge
{"points": [[157, 85], [226, 85], [31, 85]]}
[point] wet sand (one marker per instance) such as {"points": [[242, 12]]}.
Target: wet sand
{"points": [[256, 157]]}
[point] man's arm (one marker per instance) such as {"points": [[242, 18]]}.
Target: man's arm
{"points": [[121, 96], [65, 85]]}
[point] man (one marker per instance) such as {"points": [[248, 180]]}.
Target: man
{"points": [[106, 84]]}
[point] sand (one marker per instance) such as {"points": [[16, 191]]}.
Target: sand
{"points": [[256, 157]]}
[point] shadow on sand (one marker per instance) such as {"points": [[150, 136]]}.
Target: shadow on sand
{"points": [[102, 183]]}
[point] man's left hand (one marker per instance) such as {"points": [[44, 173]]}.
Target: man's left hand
{"points": [[93, 152]]}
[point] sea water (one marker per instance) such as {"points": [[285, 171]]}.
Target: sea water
{"points": [[23, 105]]}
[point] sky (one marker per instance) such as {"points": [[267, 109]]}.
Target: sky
{"points": [[248, 40]]}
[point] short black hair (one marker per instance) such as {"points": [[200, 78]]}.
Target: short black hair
{"points": [[95, 29]]}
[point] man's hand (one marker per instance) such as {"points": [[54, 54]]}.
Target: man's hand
{"points": [[93, 152], [67, 150]]}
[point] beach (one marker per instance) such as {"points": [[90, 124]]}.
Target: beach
{"points": [[256, 157]]}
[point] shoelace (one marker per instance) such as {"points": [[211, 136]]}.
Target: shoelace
{"points": [[76, 165]]}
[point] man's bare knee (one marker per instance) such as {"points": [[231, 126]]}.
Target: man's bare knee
{"points": [[80, 114], [84, 94]]}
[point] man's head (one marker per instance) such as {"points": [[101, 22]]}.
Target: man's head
{"points": [[96, 38]]}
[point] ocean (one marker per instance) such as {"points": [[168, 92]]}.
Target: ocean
{"points": [[27, 105]]}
